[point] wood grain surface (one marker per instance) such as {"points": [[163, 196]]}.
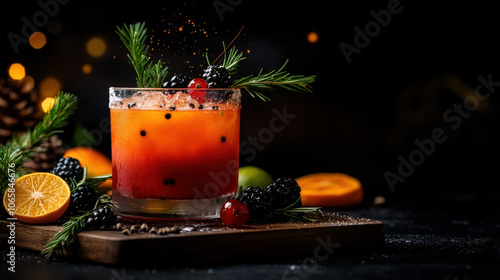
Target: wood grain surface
{"points": [[203, 241]]}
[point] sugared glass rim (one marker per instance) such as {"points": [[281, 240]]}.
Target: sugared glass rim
{"points": [[119, 94], [160, 89]]}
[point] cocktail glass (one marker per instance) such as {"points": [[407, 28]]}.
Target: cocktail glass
{"points": [[175, 152]]}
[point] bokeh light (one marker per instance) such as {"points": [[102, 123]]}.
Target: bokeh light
{"points": [[87, 68], [17, 71], [28, 83], [49, 87], [96, 47], [312, 37], [47, 104], [37, 40]]}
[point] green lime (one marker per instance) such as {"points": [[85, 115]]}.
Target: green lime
{"points": [[253, 176]]}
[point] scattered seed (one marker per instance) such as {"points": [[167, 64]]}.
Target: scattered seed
{"points": [[172, 108], [191, 105], [223, 139], [144, 227], [175, 229], [168, 116], [126, 231], [143, 133], [118, 226], [215, 107], [133, 229], [200, 107], [130, 106], [152, 230]]}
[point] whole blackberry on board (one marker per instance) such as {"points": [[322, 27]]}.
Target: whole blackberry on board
{"points": [[101, 218], [217, 77], [67, 168], [82, 199], [257, 201], [284, 192], [177, 81]]}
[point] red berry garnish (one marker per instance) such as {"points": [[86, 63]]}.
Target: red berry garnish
{"points": [[197, 83], [234, 213], [197, 94]]}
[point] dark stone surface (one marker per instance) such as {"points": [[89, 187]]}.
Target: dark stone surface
{"points": [[443, 236]]}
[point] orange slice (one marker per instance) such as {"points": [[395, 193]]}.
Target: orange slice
{"points": [[330, 190], [38, 198]]}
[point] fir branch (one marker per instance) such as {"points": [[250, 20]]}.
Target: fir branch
{"points": [[20, 147], [231, 59], [299, 213], [64, 106], [230, 46], [64, 238], [134, 36], [254, 85], [93, 182], [61, 241], [155, 75]]}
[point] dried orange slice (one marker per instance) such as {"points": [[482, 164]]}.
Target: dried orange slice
{"points": [[38, 198], [330, 190]]}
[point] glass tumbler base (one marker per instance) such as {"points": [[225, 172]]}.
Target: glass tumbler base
{"points": [[175, 209]]}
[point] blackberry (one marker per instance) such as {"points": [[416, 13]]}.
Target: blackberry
{"points": [[217, 77], [177, 81], [257, 201], [219, 96], [67, 168], [82, 199], [284, 192], [101, 218]]}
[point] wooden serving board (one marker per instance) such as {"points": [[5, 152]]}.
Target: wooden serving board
{"points": [[202, 241]]}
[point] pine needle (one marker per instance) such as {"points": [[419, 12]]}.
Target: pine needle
{"points": [[134, 36], [254, 85], [20, 147]]}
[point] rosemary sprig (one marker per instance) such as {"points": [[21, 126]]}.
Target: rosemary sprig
{"points": [[231, 59], [280, 78], [93, 182], [298, 213], [134, 38], [20, 147], [63, 239]]}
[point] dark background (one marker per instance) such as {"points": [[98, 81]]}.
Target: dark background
{"points": [[361, 116]]}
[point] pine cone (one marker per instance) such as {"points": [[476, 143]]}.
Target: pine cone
{"points": [[46, 155], [18, 103]]}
